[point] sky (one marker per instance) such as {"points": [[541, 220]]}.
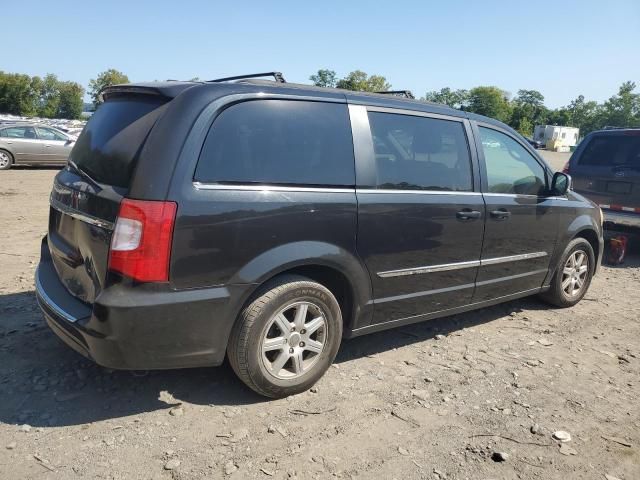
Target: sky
{"points": [[560, 48]]}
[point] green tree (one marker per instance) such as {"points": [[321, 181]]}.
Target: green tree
{"points": [[527, 110], [71, 100], [49, 96], [361, 82], [584, 115], [324, 78], [489, 101], [452, 98], [105, 79], [18, 95], [559, 116], [623, 109]]}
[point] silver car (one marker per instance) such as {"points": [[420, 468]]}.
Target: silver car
{"points": [[33, 144]]}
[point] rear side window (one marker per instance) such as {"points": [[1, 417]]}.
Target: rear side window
{"points": [[611, 150], [279, 142], [420, 153], [20, 132], [108, 147]]}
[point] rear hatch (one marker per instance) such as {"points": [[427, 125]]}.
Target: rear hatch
{"points": [[86, 195], [607, 170]]}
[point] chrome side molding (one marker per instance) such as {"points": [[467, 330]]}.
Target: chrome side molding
{"points": [[460, 265], [433, 268], [512, 258]]}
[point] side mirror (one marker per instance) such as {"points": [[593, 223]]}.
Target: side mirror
{"points": [[69, 141], [560, 184]]}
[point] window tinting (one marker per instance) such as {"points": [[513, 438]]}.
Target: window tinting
{"points": [[279, 142], [510, 167], [612, 150], [420, 153], [108, 147]]}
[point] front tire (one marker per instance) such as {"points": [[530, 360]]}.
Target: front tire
{"points": [[286, 338], [573, 274], [6, 160]]}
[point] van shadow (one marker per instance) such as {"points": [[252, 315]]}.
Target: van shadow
{"points": [[44, 383]]}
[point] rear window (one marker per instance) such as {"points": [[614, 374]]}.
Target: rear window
{"points": [[612, 150], [108, 147], [279, 142]]}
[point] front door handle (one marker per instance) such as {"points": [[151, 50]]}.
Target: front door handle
{"points": [[468, 214], [500, 214]]}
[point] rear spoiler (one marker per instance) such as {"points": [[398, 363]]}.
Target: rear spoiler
{"points": [[163, 89]]}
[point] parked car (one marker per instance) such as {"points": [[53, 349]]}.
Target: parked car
{"points": [[606, 168], [33, 144], [537, 144], [265, 221]]}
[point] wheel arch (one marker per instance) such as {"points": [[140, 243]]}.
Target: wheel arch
{"points": [[332, 266], [10, 152], [590, 236]]}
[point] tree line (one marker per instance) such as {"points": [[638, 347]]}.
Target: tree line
{"points": [[521, 112], [50, 97], [43, 97]]}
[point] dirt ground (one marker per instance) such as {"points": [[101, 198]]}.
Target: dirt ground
{"points": [[435, 400]]}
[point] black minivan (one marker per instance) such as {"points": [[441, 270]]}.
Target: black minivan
{"points": [[265, 221]]}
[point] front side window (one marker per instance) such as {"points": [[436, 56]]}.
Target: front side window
{"points": [[48, 134], [510, 167], [420, 153], [279, 142]]}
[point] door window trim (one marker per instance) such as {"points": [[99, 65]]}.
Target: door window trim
{"points": [[366, 175], [475, 125]]}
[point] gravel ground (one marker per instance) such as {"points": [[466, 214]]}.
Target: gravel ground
{"points": [[473, 396]]}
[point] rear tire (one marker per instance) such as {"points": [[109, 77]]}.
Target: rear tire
{"points": [[6, 160], [573, 274], [285, 339]]}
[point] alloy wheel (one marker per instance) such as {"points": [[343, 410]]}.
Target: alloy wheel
{"points": [[4, 159], [574, 274], [294, 339]]}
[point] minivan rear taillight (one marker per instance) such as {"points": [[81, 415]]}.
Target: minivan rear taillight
{"points": [[141, 241], [565, 169]]}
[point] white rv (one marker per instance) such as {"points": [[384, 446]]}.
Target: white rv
{"points": [[556, 137]]}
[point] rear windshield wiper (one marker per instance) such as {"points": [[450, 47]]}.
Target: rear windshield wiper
{"points": [[81, 172]]}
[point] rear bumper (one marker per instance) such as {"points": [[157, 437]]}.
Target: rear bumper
{"points": [[623, 219], [141, 328]]}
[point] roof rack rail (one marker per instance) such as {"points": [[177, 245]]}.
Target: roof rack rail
{"points": [[398, 93], [276, 75]]}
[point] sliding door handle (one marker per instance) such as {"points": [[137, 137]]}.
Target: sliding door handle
{"points": [[468, 214], [500, 214]]}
